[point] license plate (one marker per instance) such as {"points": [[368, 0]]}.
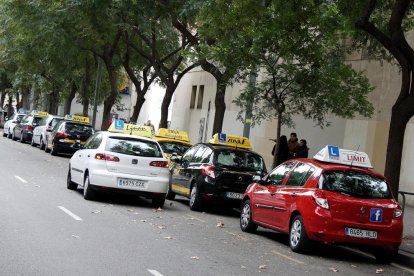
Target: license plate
{"points": [[359, 233], [122, 182], [78, 141], [234, 195]]}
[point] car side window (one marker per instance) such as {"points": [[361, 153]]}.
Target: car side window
{"points": [[206, 155], [94, 141], [277, 176], [189, 155], [43, 121], [300, 175], [198, 156]]}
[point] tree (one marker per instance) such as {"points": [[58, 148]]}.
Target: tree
{"points": [[381, 27], [302, 67]]}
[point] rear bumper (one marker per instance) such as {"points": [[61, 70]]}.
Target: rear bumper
{"points": [[66, 147], [322, 227], [211, 192], [106, 179]]}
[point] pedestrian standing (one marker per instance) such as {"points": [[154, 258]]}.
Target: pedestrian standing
{"points": [[282, 151], [293, 144], [303, 149]]}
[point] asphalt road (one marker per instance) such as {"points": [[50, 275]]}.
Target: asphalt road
{"points": [[46, 229]]}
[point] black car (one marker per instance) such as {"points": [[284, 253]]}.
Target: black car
{"points": [[214, 173], [67, 137], [23, 131]]}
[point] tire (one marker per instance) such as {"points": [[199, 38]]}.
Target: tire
{"points": [[46, 149], [158, 202], [196, 202], [42, 145], [54, 150], [298, 239], [246, 222], [385, 256], [21, 140], [9, 135], [14, 136], [4, 134], [69, 183], [32, 143], [170, 194], [88, 193]]}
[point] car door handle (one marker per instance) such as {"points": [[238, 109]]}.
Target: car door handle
{"points": [[89, 155], [272, 193], [293, 194], [80, 155]]}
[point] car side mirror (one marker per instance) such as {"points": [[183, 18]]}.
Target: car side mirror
{"points": [[49, 129]]}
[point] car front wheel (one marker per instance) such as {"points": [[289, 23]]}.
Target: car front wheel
{"points": [[70, 184], [21, 140], [54, 150], [298, 240], [14, 136], [385, 256], [9, 135], [246, 222]]}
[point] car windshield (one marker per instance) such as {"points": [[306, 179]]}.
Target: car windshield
{"points": [[355, 184], [133, 146], [37, 120], [171, 147], [79, 129], [239, 159], [20, 117]]}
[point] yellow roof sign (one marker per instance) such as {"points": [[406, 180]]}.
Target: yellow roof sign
{"points": [[39, 113], [77, 118], [230, 140], [172, 134], [119, 126]]}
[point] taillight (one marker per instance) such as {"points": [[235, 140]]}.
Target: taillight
{"points": [[61, 135], [320, 200], [106, 157], [161, 164], [398, 213], [208, 170], [29, 128]]}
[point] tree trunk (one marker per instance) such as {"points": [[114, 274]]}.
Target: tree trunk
{"points": [[220, 106], [165, 105], [110, 100], [25, 97], [17, 101], [2, 98], [69, 99], [401, 114], [137, 108], [53, 102], [10, 106], [278, 134]]}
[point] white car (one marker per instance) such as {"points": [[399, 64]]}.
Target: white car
{"points": [[40, 132], [11, 123], [122, 162]]}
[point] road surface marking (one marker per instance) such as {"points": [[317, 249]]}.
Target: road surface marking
{"points": [[196, 218], [154, 272], [21, 179], [69, 213], [287, 257], [403, 267]]}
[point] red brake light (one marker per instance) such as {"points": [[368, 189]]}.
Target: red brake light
{"points": [[320, 199], [29, 128], [62, 135], [161, 164], [106, 157], [208, 170]]}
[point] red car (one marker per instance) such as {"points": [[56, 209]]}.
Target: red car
{"points": [[333, 198]]}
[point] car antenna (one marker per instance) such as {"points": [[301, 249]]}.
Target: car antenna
{"points": [[352, 161]]}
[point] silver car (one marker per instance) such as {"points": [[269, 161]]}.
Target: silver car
{"points": [[39, 133]]}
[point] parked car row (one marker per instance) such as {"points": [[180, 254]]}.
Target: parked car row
{"points": [[335, 197]]}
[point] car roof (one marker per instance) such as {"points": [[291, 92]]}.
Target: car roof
{"points": [[326, 166], [115, 134], [76, 123], [220, 147]]}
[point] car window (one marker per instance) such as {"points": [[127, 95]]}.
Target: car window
{"points": [[19, 117], [26, 119], [94, 141], [277, 176], [206, 155], [78, 129], [355, 184], [54, 122], [188, 156], [133, 146], [36, 120], [170, 148], [43, 121], [232, 158], [198, 156], [300, 175]]}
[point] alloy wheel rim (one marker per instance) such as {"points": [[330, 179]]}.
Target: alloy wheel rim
{"points": [[193, 195], [295, 233], [245, 216]]}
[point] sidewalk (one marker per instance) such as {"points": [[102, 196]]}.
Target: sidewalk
{"points": [[407, 246]]}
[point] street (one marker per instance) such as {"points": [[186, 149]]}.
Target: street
{"points": [[49, 230]]}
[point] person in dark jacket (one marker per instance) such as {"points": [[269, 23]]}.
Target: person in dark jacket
{"points": [[303, 150], [283, 151]]}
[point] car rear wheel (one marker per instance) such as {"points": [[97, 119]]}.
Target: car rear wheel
{"points": [[170, 194], [46, 148], [158, 201], [32, 143], [9, 135], [88, 193], [53, 150], [298, 240], [385, 256], [21, 138], [196, 202], [4, 134], [70, 184], [246, 222]]}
